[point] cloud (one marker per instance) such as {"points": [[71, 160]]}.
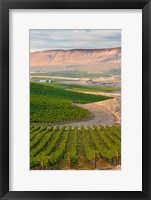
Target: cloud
{"points": [[72, 38]]}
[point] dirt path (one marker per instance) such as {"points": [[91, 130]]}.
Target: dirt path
{"points": [[106, 112], [101, 116]]}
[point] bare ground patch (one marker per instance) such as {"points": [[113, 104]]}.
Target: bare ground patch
{"points": [[106, 112]]}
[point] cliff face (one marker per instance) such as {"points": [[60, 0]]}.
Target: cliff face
{"points": [[76, 59]]}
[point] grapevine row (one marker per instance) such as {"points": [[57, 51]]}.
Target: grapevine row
{"points": [[106, 141], [35, 129], [31, 127], [74, 147], [33, 134], [103, 151], [111, 136], [116, 131], [43, 143], [38, 138], [49, 146], [56, 156], [37, 161], [54, 142], [88, 151]]}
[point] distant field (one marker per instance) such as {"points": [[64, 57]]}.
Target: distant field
{"points": [[90, 148], [85, 88], [73, 74], [49, 104]]}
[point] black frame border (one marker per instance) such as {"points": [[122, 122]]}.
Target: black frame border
{"points": [[5, 5]]}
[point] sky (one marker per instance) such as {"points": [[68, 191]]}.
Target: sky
{"points": [[50, 39]]}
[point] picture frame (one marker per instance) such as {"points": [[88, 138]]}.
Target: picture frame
{"points": [[4, 92]]}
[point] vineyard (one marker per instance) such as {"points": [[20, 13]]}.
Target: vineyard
{"points": [[84, 88], [61, 147], [46, 100]]}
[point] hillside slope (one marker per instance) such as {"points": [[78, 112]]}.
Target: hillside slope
{"points": [[76, 59]]}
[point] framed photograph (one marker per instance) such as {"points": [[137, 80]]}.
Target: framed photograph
{"points": [[75, 99]]}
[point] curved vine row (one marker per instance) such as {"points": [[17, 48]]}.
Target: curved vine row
{"points": [[33, 134], [103, 151], [52, 146], [44, 142], [38, 138], [109, 134], [34, 129], [106, 141], [54, 142], [56, 156], [114, 130]]}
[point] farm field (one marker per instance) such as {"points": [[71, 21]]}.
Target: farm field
{"points": [[84, 148], [73, 74], [85, 88], [75, 99], [54, 105]]}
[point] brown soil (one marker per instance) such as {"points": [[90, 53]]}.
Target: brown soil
{"points": [[106, 112]]}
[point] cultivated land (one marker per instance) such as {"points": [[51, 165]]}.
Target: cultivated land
{"points": [[71, 74], [54, 105], [82, 88], [65, 128], [76, 115], [90, 148]]}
